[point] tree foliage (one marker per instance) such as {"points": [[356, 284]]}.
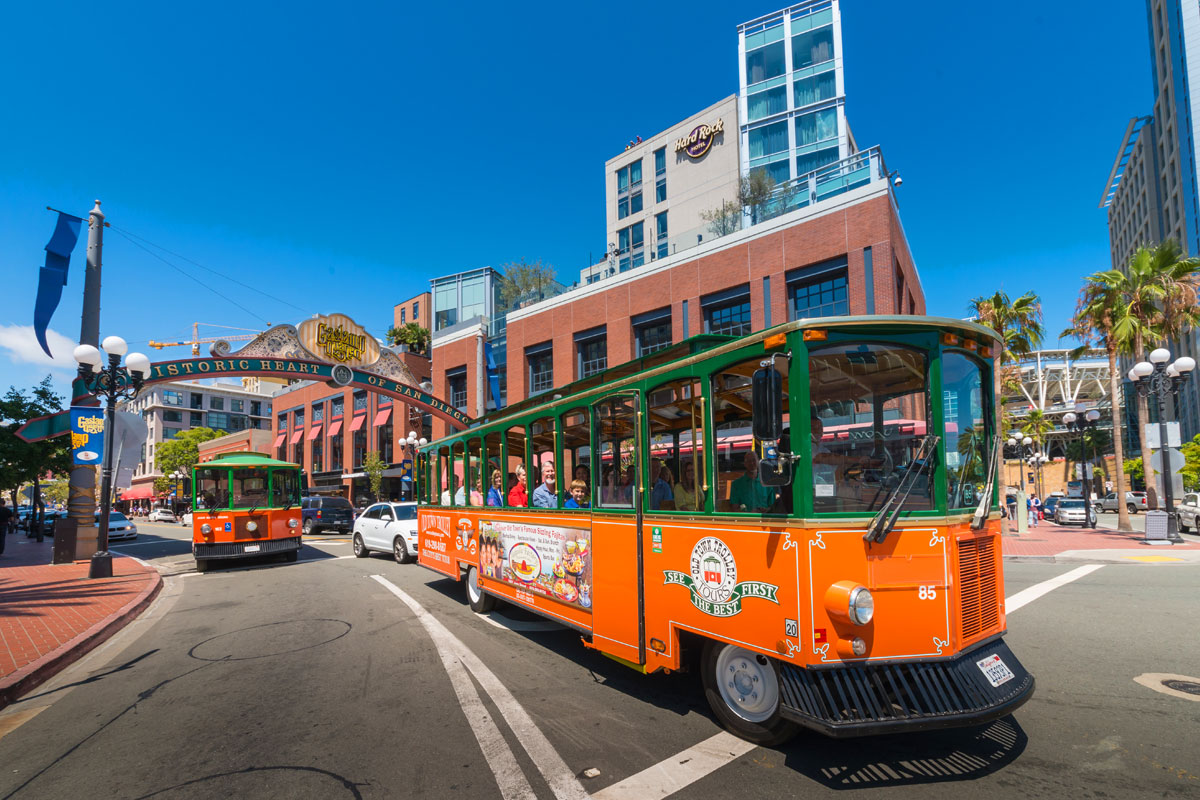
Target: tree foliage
{"points": [[183, 452], [21, 461], [1019, 324], [765, 198], [412, 334], [724, 219], [523, 281], [373, 465]]}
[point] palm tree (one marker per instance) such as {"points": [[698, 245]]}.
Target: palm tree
{"points": [[1159, 294], [1036, 426], [1097, 313], [1019, 325]]}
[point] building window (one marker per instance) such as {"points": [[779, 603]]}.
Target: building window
{"points": [[360, 446], [172, 398], [541, 368], [197, 400], [727, 312], [318, 412], [765, 104], [402, 313], [652, 331], [172, 416], [218, 420], [360, 400], [591, 352], [767, 140], [811, 162], [335, 406], [631, 247], [629, 178], [255, 408], [282, 422], [318, 460], [819, 126], [170, 433], [473, 304], [298, 417], [237, 406], [812, 47], [811, 90], [765, 63], [445, 305], [385, 442], [197, 420], [216, 403], [456, 383], [818, 291], [416, 311], [335, 452], [660, 234], [660, 190]]}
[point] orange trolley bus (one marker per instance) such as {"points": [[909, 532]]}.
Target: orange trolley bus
{"points": [[245, 504], [811, 510]]}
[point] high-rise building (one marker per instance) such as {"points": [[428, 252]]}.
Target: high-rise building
{"points": [[791, 93], [1153, 189]]}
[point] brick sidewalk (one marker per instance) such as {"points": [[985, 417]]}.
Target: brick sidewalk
{"points": [[51, 615], [1048, 539]]}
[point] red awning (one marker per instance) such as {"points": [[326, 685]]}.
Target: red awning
{"points": [[297, 435], [357, 422], [335, 427], [279, 439], [143, 492], [314, 431], [381, 416]]}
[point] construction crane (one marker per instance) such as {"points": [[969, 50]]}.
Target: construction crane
{"points": [[196, 341]]}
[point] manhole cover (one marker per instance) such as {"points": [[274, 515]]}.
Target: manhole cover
{"points": [[1191, 687]]}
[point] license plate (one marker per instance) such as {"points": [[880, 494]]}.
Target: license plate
{"points": [[253, 548], [995, 670]]}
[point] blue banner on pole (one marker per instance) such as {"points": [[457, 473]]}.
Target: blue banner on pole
{"points": [[53, 277], [87, 435]]}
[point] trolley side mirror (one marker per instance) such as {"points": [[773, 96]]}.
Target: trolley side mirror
{"points": [[767, 403]]}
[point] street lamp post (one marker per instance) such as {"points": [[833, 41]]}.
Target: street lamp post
{"points": [[413, 443], [1159, 379], [112, 382], [178, 476], [1080, 421]]}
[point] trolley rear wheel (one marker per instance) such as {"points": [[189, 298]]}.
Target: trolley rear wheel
{"points": [[481, 602]]}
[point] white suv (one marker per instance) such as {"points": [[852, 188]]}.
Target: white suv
{"points": [[1189, 512], [161, 515], [387, 528]]}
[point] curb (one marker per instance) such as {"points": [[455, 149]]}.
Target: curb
{"points": [[34, 674]]}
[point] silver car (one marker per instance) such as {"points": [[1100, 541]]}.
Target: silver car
{"points": [[119, 526], [1189, 512], [1074, 511]]}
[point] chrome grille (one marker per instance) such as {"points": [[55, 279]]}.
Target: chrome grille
{"points": [[977, 587]]}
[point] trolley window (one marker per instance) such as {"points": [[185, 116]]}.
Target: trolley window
{"points": [[285, 487], [968, 430], [249, 487], [868, 417], [211, 489]]}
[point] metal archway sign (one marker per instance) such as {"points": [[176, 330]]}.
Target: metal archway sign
{"points": [[332, 349]]}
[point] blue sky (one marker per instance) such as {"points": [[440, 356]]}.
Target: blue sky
{"points": [[338, 157]]}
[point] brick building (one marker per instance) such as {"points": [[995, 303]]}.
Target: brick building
{"points": [[329, 430], [247, 441], [846, 254]]}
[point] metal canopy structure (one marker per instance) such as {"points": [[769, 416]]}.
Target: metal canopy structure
{"points": [[1052, 382]]}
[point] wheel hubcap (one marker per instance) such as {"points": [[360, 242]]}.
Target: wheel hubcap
{"points": [[473, 590], [747, 683]]}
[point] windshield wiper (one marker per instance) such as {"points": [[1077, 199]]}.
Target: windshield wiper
{"points": [[885, 520], [985, 502]]}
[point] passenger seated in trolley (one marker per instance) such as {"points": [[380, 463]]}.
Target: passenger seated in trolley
{"points": [[544, 496]]}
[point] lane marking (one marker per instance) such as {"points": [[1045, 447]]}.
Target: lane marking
{"points": [[558, 776], [1153, 559], [679, 771], [1027, 596]]}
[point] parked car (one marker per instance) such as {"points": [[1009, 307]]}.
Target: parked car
{"points": [[387, 527], [119, 526], [161, 515], [1049, 505], [50, 516], [1189, 512], [322, 513], [1075, 511], [1134, 501], [186, 518]]}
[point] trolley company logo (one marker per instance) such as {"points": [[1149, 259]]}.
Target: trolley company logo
{"points": [[713, 583], [698, 142], [338, 339]]}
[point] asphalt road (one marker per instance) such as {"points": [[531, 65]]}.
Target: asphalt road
{"points": [[340, 677]]}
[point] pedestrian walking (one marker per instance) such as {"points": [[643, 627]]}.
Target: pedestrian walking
{"points": [[6, 518], [1035, 506]]}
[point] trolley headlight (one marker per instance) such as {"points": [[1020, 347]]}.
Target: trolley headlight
{"points": [[293, 523], [862, 605], [252, 526], [206, 529]]}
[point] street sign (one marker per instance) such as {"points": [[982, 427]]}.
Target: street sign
{"points": [[1175, 460], [87, 435], [1152, 438]]}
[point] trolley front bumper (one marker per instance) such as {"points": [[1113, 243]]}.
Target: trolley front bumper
{"points": [[871, 699], [260, 547]]}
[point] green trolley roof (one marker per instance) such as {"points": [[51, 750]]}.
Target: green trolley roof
{"points": [[245, 460]]}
